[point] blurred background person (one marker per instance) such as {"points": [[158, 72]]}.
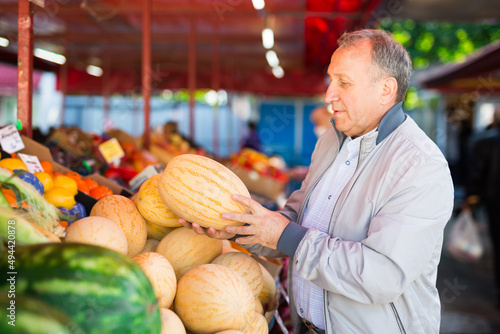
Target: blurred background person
{"points": [[483, 187], [252, 139]]}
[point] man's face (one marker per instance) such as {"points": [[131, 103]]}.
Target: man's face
{"points": [[355, 99]]}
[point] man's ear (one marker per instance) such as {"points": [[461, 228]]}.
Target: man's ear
{"points": [[389, 91]]}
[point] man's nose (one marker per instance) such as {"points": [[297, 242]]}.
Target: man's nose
{"points": [[331, 94]]}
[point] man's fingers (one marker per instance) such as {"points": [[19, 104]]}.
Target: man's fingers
{"points": [[248, 240], [239, 217], [185, 223], [248, 202], [198, 229], [244, 230]]}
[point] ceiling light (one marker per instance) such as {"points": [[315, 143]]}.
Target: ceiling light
{"points": [[258, 4], [94, 70], [211, 97], [50, 56], [4, 42], [272, 58], [267, 38], [278, 72]]}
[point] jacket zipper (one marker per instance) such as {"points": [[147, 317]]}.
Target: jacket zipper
{"points": [[398, 319]]}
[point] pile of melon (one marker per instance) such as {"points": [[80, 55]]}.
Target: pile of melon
{"points": [[203, 285]]}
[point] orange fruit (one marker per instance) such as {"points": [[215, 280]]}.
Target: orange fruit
{"points": [[47, 166]]}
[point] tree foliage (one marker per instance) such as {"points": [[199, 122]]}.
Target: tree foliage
{"points": [[431, 43]]}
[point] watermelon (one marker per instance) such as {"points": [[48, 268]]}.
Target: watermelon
{"points": [[101, 290], [31, 316]]}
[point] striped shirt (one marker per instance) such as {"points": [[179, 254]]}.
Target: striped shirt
{"points": [[308, 296]]}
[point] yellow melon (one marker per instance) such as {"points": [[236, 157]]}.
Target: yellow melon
{"points": [[200, 189], [156, 231], [212, 298], [258, 306], [185, 249], [98, 231], [258, 325], [268, 288], [245, 266], [161, 275], [123, 211], [152, 207], [150, 246], [171, 323], [230, 331]]}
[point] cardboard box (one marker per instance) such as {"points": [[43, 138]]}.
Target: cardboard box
{"points": [[43, 153], [31, 147], [258, 184]]}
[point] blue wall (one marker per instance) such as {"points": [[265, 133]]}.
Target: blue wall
{"points": [[285, 129]]}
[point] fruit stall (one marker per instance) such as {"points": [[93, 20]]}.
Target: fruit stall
{"points": [[82, 257], [90, 239]]}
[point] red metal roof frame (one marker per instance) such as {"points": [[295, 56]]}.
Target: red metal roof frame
{"points": [[108, 33]]}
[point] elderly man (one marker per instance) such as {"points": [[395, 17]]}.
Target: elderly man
{"points": [[365, 230]]}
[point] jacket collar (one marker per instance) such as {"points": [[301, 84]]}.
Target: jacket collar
{"points": [[391, 120]]}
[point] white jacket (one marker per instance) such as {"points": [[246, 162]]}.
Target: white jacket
{"points": [[378, 262]]}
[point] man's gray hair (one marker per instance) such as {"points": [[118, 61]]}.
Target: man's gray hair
{"points": [[389, 56]]}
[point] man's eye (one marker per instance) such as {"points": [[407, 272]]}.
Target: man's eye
{"points": [[343, 83]]}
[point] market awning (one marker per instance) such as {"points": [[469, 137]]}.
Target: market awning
{"points": [[479, 73], [107, 33]]}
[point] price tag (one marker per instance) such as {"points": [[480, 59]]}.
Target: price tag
{"points": [[145, 174], [32, 162], [10, 139], [111, 150]]}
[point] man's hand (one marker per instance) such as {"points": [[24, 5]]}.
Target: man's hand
{"points": [[264, 226], [210, 232]]}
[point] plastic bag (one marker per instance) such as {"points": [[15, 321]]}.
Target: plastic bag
{"points": [[464, 241]]}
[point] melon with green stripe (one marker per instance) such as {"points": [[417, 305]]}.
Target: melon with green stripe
{"points": [[102, 291], [200, 189]]}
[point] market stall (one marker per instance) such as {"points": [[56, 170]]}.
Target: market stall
{"points": [[95, 216]]}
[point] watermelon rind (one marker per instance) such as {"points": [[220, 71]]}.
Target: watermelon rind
{"points": [[31, 316], [101, 290]]}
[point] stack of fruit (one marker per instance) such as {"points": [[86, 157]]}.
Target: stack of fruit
{"points": [[57, 188], [262, 164], [201, 285]]}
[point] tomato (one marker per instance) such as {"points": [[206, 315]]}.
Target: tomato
{"points": [[82, 186], [100, 192], [91, 184], [60, 197], [47, 166], [74, 175], [64, 181]]}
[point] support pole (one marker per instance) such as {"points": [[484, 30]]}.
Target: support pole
{"points": [[192, 75], [216, 87], [63, 74], [106, 89], [25, 67], [146, 68]]}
